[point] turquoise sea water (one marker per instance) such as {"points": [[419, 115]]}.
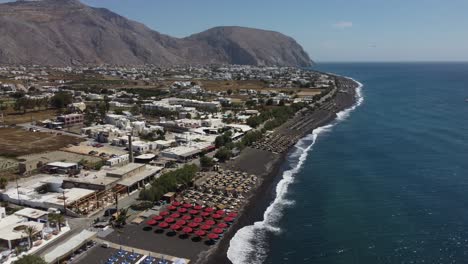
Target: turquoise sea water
{"points": [[389, 184]]}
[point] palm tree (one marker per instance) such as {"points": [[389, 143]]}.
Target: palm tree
{"points": [[121, 219], [3, 182], [58, 219], [30, 232]]}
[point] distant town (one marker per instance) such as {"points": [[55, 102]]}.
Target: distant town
{"points": [[145, 164]]}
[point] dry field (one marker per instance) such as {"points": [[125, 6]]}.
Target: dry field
{"points": [[11, 118], [15, 142]]}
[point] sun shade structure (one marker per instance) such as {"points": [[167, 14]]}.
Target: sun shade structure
{"points": [[198, 207], [198, 220], [209, 209], [232, 214], [222, 225], [213, 236], [151, 222], [192, 224], [175, 215], [175, 227], [163, 225], [172, 208], [210, 222], [186, 217], [193, 212], [158, 218], [205, 227], [182, 210], [216, 216], [176, 204], [170, 220], [187, 205], [200, 233], [181, 222], [165, 213], [218, 231], [187, 230], [228, 219]]}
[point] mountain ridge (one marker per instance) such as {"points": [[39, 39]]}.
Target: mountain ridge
{"points": [[68, 32]]}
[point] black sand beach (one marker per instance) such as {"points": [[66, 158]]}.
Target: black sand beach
{"points": [[251, 160]]}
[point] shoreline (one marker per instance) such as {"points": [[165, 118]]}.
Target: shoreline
{"points": [[271, 174]]}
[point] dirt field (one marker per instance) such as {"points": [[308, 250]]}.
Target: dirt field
{"points": [[15, 118], [15, 142]]}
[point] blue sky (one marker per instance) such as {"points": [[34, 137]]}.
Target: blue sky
{"points": [[329, 30]]}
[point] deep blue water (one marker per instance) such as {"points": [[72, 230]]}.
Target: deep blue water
{"points": [[390, 183]]}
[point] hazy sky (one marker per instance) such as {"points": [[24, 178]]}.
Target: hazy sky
{"points": [[329, 30]]}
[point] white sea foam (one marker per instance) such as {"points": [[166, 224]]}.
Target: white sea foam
{"points": [[248, 244]]}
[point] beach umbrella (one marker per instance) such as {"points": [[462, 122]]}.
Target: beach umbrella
{"points": [[194, 212], [198, 220], [209, 209], [182, 210], [205, 227], [213, 236], [151, 222], [192, 225], [187, 205], [232, 214], [218, 230], [158, 218], [175, 227], [163, 225], [210, 222], [181, 222], [186, 217], [200, 233], [175, 215], [198, 207], [216, 216], [228, 219], [172, 208], [176, 203], [170, 220], [220, 212], [164, 213], [222, 225], [205, 214], [187, 230]]}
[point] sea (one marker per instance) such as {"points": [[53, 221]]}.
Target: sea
{"points": [[386, 182]]}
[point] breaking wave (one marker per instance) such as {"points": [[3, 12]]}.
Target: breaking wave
{"points": [[248, 244]]}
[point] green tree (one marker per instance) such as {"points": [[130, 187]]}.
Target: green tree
{"points": [[206, 162], [30, 259], [61, 100], [223, 154], [58, 219], [30, 232], [3, 182]]}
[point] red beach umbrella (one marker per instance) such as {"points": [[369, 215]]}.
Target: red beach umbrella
{"points": [[200, 233], [187, 230], [192, 225], [176, 203], [187, 205], [172, 208], [181, 222], [175, 227], [210, 222], [170, 220], [218, 231], [198, 220], [228, 219], [205, 227], [205, 214], [194, 212], [232, 214], [216, 216], [222, 225], [182, 210], [186, 217], [175, 215], [209, 209], [213, 236], [158, 218], [198, 207], [164, 213], [163, 225], [151, 222], [220, 212]]}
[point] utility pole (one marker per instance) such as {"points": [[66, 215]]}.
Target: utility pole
{"points": [[17, 190], [64, 204]]}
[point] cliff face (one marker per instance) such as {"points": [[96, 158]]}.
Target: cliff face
{"points": [[64, 32]]}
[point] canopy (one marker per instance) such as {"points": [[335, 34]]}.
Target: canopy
{"points": [[182, 210], [210, 222], [209, 209], [222, 225], [187, 230], [187, 205], [181, 222], [175, 227], [163, 225], [232, 214], [170, 220], [186, 217], [158, 218], [216, 216], [205, 214], [194, 212], [176, 203], [198, 220], [228, 219], [172, 208], [175, 215], [218, 230], [200, 233], [198, 207], [220, 212], [164, 213], [205, 227], [151, 222], [192, 224], [213, 236]]}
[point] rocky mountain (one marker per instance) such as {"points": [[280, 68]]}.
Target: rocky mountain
{"points": [[64, 32]]}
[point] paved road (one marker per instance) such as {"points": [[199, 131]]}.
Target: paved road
{"points": [[43, 129]]}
